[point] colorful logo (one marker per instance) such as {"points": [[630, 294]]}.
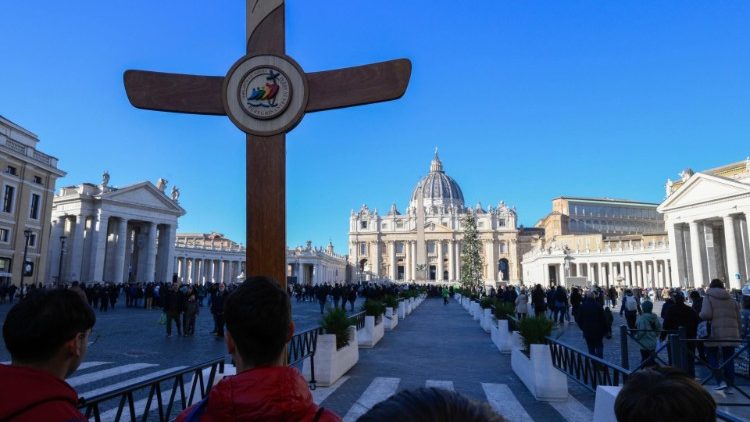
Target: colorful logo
{"points": [[265, 92]]}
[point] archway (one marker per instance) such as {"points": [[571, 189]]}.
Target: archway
{"points": [[504, 269]]}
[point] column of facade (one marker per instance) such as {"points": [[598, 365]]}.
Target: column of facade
{"points": [[451, 261], [122, 238], [376, 258], [626, 273], [696, 257], [639, 273], [413, 263], [75, 246], [407, 261], [100, 247], [53, 262], [493, 260], [602, 274], [171, 237], [590, 273], [439, 267], [392, 260], [730, 241], [151, 252]]}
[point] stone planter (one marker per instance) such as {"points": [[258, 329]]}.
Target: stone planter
{"points": [[331, 363], [402, 309], [604, 404], [501, 336], [487, 319], [391, 318], [409, 305], [536, 371], [476, 311], [372, 333]]}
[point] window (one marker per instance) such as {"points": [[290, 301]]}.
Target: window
{"points": [[363, 224], [385, 226], [37, 180], [32, 240], [34, 211], [480, 224], [501, 222], [399, 224], [11, 170], [4, 235], [8, 198], [363, 248], [431, 247], [399, 247]]}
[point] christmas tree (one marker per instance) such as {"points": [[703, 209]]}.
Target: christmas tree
{"points": [[471, 259]]}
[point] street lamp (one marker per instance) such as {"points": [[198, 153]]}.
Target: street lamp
{"points": [[60, 267], [26, 233]]}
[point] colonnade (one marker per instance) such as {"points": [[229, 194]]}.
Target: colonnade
{"points": [[645, 273], [194, 270]]}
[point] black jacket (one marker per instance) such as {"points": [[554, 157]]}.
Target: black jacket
{"points": [[590, 319], [218, 300], [681, 315], [173, 302]]}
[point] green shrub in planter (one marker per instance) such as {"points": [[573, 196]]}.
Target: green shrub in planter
{"points": [[504, 309], [337, 323], [486, 302], [373, 308], [534, 330], [390, 301]]}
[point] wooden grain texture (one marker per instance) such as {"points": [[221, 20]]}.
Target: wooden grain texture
{"points": [[358, 85], [175, 92], [266, 206], [268, 37]]}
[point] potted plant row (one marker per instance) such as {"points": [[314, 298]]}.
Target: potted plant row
{"points": [[374, 328], [533, 362]]}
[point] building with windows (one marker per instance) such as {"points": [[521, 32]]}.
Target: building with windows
{"points": [[202, 258], [28, 181], [314, 265], [600, 241], [101, 233], [424, 243], [706, 216]]}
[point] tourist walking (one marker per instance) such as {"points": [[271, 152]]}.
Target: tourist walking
{"points": [[218, 298], [591, 322], [630, 308], [172, 308], [648, 328], [191, 311], [445, 296], [681, 315], [723, 313], [522, 305], [537, 300]]}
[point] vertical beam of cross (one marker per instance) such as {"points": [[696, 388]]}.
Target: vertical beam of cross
{"points": [[265, 169]]}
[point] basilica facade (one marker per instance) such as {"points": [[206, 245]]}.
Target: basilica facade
{"points": [[424, 243]]}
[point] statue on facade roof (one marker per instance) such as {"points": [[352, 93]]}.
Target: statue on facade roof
{"points": [[175, 193], [668, 187], [105, 178], [685, 174], [747, 164], [161, 184]]}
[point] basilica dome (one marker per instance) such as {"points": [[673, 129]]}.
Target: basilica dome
{"points": [[438, 190]]}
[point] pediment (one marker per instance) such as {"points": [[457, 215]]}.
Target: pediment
{"points": [[439, 228], [702, 188], [144, 195]]}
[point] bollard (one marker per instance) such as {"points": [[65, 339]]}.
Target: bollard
{"points": [[624, 358]]}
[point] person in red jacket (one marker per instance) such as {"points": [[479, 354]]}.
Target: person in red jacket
{"points": [[259, 325], [46, 334]]}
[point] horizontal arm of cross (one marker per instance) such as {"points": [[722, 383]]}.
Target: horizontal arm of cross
{"points": [[327, 90]]}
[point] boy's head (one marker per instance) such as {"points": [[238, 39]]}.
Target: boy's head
{"points": [[48, 325], [259, 321], [663, 394]]}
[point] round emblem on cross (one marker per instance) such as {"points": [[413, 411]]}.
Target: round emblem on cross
{"points": [[265, 92], [265, 95]]}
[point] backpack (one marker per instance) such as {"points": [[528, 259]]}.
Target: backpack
{"points": [[630, 304]]}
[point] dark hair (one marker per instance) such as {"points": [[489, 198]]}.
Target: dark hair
{"points": [[258, 314], [663, 393], [40, 324], [695, 295], [430, 405], [745, 302], [716, 283]]}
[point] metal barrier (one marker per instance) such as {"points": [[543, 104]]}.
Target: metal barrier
{"points": [[654, 358], [303, 346], [91, 405], [588, 370], [358, 319]]}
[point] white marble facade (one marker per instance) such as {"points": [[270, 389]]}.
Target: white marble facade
{"points": [[424, 244], [113, 234], [314, 265], [706, 217], [202, 258]]}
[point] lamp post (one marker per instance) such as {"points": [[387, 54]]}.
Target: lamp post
{"points": [[60, 267], [26, 233]]}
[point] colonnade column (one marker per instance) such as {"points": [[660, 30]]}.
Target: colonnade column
{"points": [[451, 261], [458, 260], [100, 247], [76, 248], [122, 238], [695, 254], [731, 247], [151, 252], [590, 273], [407, 261], [392, 259], [439, 266]]}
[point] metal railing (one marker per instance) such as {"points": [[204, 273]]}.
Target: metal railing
{"points": [[303, 346], [654, 358], [90, 406], [358, 320], [588, 370]]}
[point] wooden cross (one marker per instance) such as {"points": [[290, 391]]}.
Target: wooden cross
{"points": [[266, 93]]}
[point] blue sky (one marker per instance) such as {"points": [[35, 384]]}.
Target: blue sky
{"points": [[526, 101]]}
